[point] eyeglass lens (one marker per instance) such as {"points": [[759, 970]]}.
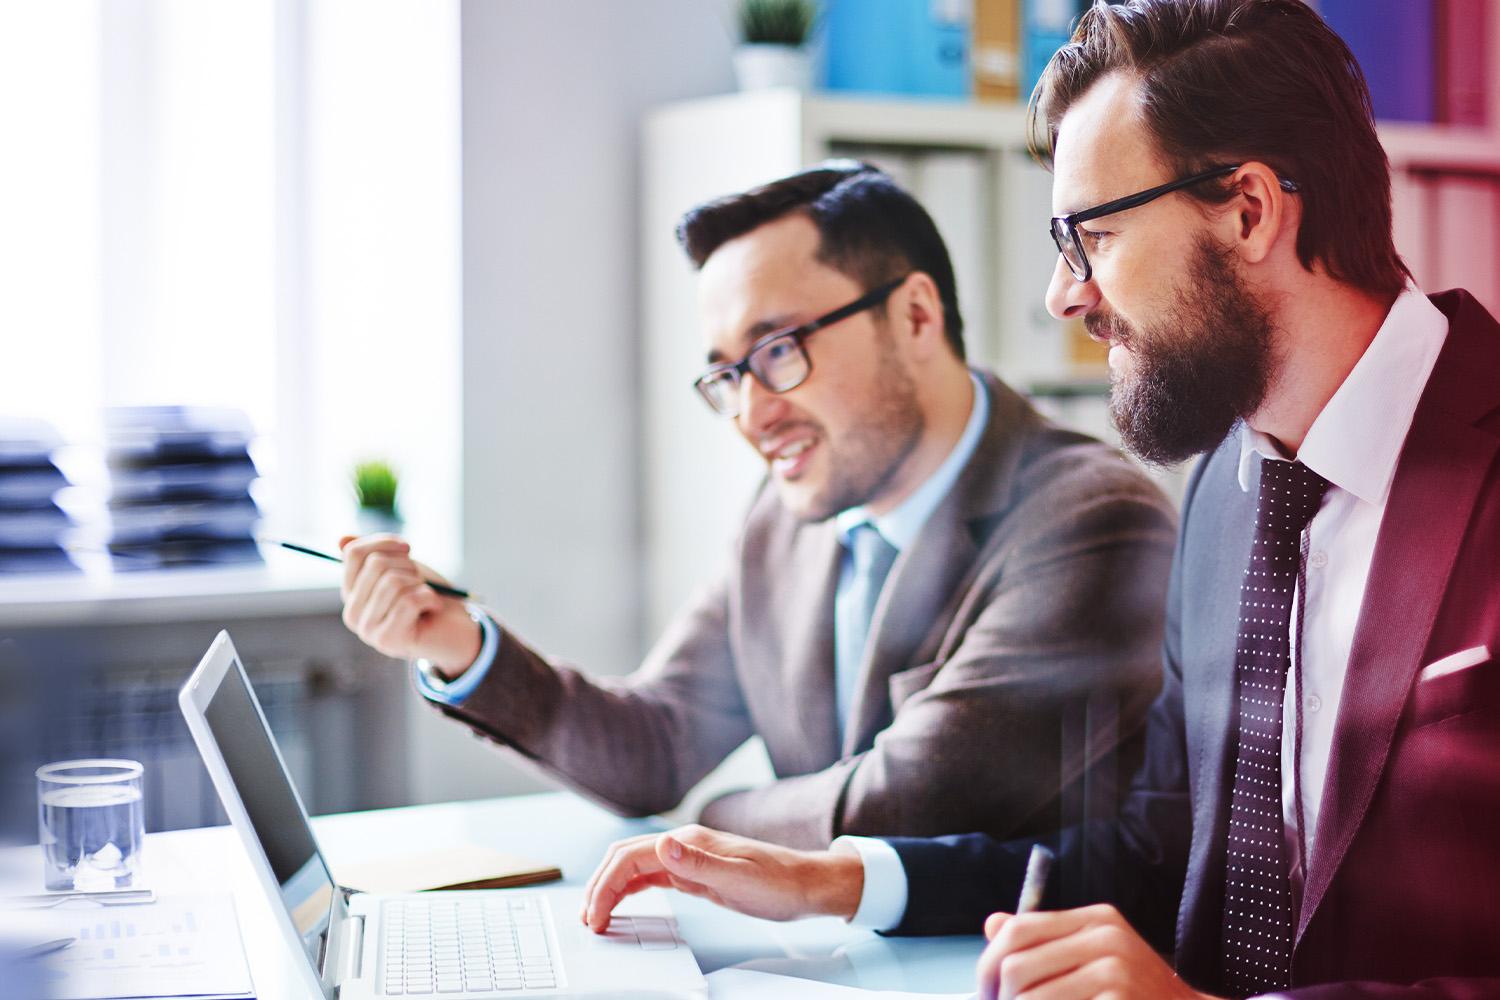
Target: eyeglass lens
{"points": [[1062, 235], [780, 363]]}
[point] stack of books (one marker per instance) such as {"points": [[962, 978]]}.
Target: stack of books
{"points": [[180, 487], [32, 526]]}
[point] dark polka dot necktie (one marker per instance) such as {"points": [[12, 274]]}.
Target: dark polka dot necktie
{"points": [[1257, 891]]}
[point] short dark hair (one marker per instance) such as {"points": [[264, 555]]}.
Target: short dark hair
{"points": [[868, 228], [1226, 81]]}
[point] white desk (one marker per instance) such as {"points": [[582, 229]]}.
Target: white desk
{"points": [[564, 830]]}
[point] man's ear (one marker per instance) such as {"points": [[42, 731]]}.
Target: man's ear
{"points": [[921, 314], [1261, 214]]}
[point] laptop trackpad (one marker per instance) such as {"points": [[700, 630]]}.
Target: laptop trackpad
{"points": [[650, 933]]}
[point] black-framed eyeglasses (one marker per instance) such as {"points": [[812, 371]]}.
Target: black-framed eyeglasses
{"points": [[1065, 227], [779, 361]]}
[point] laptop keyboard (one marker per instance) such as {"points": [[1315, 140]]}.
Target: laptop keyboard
{"points": [[491, 943]]}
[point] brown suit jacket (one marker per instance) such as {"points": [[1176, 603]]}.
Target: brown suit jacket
{"points": [[1037, 582]]}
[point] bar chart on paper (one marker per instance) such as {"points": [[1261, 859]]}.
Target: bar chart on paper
{"points": [[178, 946]]}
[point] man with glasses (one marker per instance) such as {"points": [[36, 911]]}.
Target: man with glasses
{"points": [[1317, 810], [933, 581]]}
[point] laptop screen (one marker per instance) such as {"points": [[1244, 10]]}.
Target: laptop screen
{"points": [[246, 745]]}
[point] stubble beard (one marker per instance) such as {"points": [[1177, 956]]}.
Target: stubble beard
{"points": [[1204, 366], [864, 461]]}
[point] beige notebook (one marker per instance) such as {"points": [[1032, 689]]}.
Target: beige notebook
{"points": [[466, 866]]}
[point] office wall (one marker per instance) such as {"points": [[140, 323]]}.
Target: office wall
{"points": [[553, 94]]}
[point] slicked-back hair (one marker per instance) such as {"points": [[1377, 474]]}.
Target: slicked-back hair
{"points": [[1230, 81], [868, 228]]}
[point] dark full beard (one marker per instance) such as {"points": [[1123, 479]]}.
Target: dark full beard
{"points": [[865, 460], [1206, 365]]}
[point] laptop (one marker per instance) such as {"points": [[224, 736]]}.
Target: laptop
{"points": [[466, 944]]}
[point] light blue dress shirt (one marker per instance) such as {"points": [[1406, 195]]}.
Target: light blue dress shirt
{"points": [[899, 528], [454, 692]]}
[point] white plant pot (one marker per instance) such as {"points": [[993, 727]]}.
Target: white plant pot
{"points": [[371, 521], [760, 66]]}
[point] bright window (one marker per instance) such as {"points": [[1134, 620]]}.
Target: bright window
{"points": [[242, 204]]}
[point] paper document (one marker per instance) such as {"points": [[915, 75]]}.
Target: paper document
{"points": [[466, 866], [180, 946], [743, 984]]}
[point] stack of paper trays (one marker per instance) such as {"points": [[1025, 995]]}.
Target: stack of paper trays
{"points": [[32, 525], [180, 487]]}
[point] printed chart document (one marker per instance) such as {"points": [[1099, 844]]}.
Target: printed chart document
{"points": [[179, 946], [745, 984]]}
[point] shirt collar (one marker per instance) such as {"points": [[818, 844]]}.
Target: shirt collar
{"points": [[1355, 440], [899, 527]]}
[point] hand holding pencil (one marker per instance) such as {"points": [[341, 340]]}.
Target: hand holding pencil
{"points": [[403, 608], [1077, 954]]}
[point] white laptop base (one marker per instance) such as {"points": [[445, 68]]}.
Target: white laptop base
{"points": [[469, 944]]}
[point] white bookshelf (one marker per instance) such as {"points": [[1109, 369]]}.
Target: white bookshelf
{"points": [[698, 474]]}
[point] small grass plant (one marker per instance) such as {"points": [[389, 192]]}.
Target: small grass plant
{"points": [[375, 485], [776, 22]]}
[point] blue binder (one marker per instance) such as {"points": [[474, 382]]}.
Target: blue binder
{"points": [[897, 46], [1395, 42]]}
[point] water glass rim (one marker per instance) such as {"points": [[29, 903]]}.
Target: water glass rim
{"points": [[121, 770]]}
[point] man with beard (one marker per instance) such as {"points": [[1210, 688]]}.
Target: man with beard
{"points": [[934, 582], [1315, 815]]}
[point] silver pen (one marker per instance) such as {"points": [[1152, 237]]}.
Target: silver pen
{"points": [[1038, 867], [108, 897]]}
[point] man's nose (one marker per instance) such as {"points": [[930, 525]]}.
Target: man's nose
{"points": [[1067, 297], [760, 408]]}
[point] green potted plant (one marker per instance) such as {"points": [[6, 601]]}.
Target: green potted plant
{"points": [[375, 485], [773, 40]]}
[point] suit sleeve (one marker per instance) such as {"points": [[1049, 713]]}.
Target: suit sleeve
{"points": [[633, 744], [1075, 610], [1136, 861]]}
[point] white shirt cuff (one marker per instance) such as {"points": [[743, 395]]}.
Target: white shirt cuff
{"points": [[882, 904], [454, 692]]}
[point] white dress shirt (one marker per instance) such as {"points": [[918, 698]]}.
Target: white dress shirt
{"points": [[1353, 443]]}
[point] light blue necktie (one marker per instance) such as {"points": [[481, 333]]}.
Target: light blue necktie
{"points": [[864, 571]]}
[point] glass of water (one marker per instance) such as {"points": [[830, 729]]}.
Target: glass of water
{"points": [[92, 823]]}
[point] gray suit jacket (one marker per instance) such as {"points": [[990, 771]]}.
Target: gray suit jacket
{"points": [[1038, 582]]}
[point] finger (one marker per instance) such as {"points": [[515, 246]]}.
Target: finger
{"points": [[1022, 973], [374, 567], [356, 552], [987, 972], [628, 864], [651, 880], [1011, 934], [604, 863], [1103, 977], [397, 633], [1028, 930], [387, 587]]}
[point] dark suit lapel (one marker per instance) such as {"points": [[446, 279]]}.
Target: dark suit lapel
{"points": [[1220, 530], [914, 604], [1442, 468]]}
